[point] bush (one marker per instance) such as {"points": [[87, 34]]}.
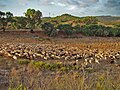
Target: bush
{"points": [[49, 29], [67, 28], [99, 30], [39, 64]]}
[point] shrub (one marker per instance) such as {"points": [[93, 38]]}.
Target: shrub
{"points": [[39, 64], [67, 28], [23, 61], [49, 29]]}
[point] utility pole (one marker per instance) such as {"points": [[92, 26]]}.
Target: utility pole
{"points": [[49, 14]]}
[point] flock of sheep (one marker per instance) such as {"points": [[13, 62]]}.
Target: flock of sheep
{"points": [[59, 52]]}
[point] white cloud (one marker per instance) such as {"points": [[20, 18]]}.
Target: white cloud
{"points": [[23, 2], [72, 8], [61, 4], [57, 4], [52, 3]]}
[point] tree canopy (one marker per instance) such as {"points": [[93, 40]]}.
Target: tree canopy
{"points": [[33, 18], [5, 19]]}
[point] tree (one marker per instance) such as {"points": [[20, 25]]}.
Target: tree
{"points": [[2, 20], [9, 15], [49, 29], [2, 14], [33, 18], [19, 22], [9, 18], [5, 19]]}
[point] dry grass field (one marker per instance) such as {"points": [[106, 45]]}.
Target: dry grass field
{"points": [[33, 61]]}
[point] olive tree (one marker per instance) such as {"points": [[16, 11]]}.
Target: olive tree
{"points": [[33, 18]]}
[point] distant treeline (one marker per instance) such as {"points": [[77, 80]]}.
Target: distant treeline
{"points": [[70, 25]]}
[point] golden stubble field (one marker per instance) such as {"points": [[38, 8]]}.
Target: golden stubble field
{"points": [[33, 61]]}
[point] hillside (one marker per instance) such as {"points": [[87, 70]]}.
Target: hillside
{"points": [[109, 20], [69, 19], [62, 19]]}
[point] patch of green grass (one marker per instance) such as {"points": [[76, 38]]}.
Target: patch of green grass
{"points": [[23, 61], [39, 64], [49, 66], [20, 87]]}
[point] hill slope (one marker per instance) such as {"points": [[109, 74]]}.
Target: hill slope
{"points": [[69, 19]]}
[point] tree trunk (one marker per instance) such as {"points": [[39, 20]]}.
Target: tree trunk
{"points": [[3, 29], [31, 31]]}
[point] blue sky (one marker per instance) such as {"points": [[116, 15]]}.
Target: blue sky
{"points": [[58, 7]]}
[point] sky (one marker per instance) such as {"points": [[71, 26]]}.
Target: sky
{"points": [[58, 7]]}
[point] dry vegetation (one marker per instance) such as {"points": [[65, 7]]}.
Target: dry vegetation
{"points": [[36, 62]]}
